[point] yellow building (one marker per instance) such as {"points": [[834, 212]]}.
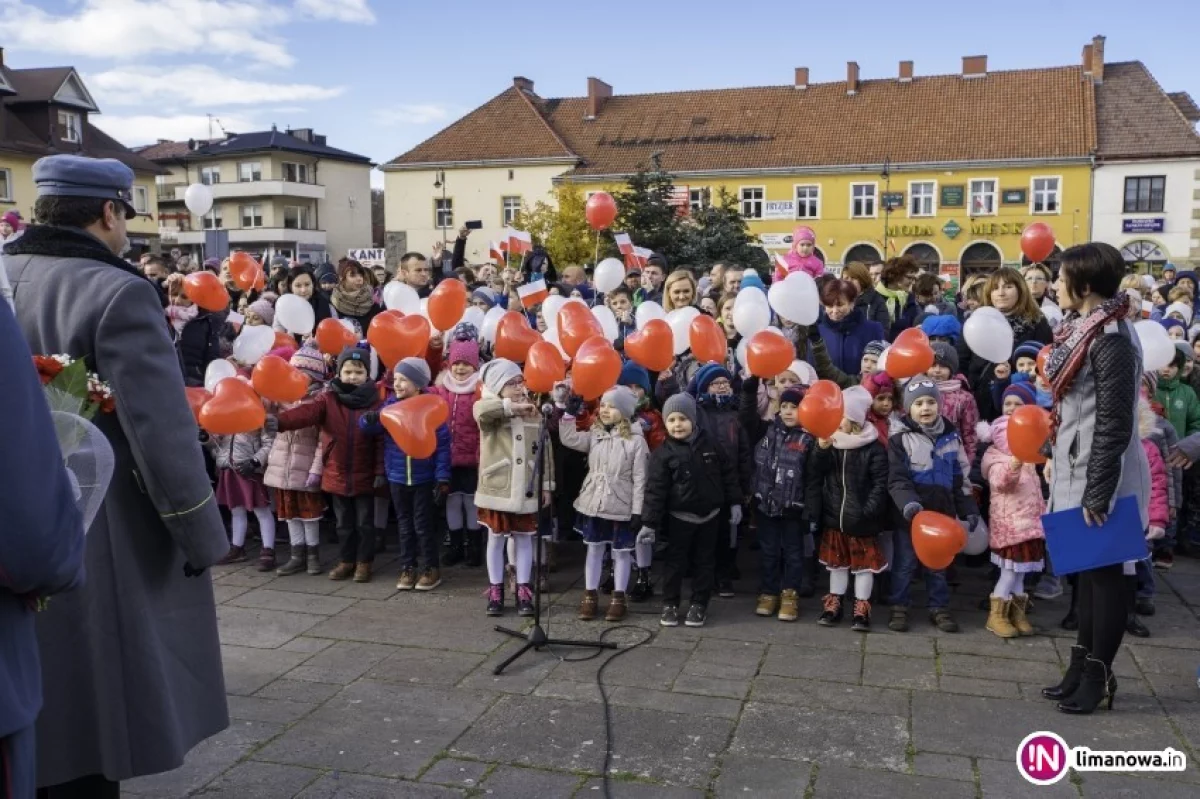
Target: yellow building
{"points": [[46, 112]]}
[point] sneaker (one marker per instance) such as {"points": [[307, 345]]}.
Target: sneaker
{"points": [[234, 555], [898, 623], [862, 616], [266, 560], [524, 600], [343, 571], [1049, 587], [789, 606], [408, 579], [725, 589], [768, 605], [670, 616], [942, 619], [1164, 560], [1144, 607], [430, 579], [362, 572], [832, 614], [495, 597], [696, 616]]}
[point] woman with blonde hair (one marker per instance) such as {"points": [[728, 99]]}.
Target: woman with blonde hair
{"points": [[679, 290]]}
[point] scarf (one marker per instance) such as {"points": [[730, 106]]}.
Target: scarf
{"points": [[1071, 344], [855, 440], [456, 386], [718, 402], [353, 303], [356, 398], [66, 242], [899, 295], [932, 430], [953, 384], [1022, 328]]}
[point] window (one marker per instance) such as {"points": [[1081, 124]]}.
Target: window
{"points": [[69, 127], [250, 171], [808, 202], [752, 202], [6, 185], [295, 173], [295, 217], [212, 220], [1143, 195], [443, 213], [1045, 196], [210, 175], [920, 198], [141, 203], [251, 215], [862, 199], [983, 198], [697, 200], [509, 208]]}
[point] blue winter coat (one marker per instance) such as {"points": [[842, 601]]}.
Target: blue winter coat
{"points": [[404, 470], [847, 339]]}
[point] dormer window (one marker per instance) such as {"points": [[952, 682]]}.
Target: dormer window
{"points": [[70, 127]]}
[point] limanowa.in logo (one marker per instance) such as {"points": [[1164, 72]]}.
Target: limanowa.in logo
{"points": [[1043, 758]]}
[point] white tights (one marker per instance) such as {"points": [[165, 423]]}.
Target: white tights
{"points": [[1007, 584], [622, 567], [839, 583], [240, 522], [304, 532], [523, 545]]}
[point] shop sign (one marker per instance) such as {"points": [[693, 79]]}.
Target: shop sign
{"points": [[1013, 196], [952, 196], [779, 209], [1153, 225], [369, 256], [901, 231], [997, 229], [775, 241], [951, 229], [893, 199]]}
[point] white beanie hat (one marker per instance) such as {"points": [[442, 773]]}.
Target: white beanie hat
{"points": [[496, 374], [856, 401], [621, 398], [1181, 308], [803, 372]]}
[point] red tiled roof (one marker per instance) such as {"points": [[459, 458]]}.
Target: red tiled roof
{"points": [[163, 150], [1137, 119]]}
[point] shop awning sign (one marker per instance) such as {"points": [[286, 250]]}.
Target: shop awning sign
{"points": [[369, 256]]}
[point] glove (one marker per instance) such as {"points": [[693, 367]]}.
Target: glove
{"points": [[635, 522], [750, 385], [574, 405], [191, 571], [271, 425], [1155, 533], [313, 481], [246, 468], [814, 333], [380, 481], [911, 510], [972, 521], [735, 515], [645, 536], [371, 417], [440, 492]]}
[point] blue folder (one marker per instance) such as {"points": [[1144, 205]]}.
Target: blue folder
{"points": [[1075, 547]]}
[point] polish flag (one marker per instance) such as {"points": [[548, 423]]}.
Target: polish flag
{"points": [[624, 243], [781, 267], [519, 242], [496, 251], [636, 259], [533, 294]]}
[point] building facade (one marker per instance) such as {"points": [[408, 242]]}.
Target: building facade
{"points": [[47, 112], [274, 193]]}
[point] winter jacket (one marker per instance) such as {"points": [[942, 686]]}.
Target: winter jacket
{"points": [[692, 476], [780, 459], [930, 472], [958, 405], [507, 449], [464, 432], [198, 345], [1180, 405], [874, 307], [615, 485], [295, 456], [402, 469], [721, 424], [1158, 507], [1016, 506], [848, 484], [231, 451], [353, 459], [846, 340], [652, 428]]}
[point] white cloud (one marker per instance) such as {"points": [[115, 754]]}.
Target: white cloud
{"points": [[412, 114], [340, 10], [197, 86], [147, 129]]}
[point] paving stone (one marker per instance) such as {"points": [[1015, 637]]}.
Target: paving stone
{"points": [[993, 668], [378, 728], [253, 780], [711, 686], [521, 676], [381, 587], [1159, 660], [275, 711], [356, 786], [983, 644], [299, 690], [1128, 786], [671, 702], [799, 733], [840, 782], [460, 773], [310, 583], [832, 696], [951, 767], [424, 666], [306, 645], [244, 576], [1177, 687], [642, 667], [573, 690], [622, 789], [953, 684], [206, 761], [265, 629], [762, 777], [223, 592], [739, 623], [732, 653], [451, 624], [893, 671], [270, 599], [907, 645], [834, 665], [247, 669], [999, 779], [507, 782], [341, 663]]}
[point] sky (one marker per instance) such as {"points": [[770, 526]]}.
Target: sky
{"points": [[379, 76]]}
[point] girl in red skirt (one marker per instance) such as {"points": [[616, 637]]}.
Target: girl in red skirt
{"points": [[241, 460]]}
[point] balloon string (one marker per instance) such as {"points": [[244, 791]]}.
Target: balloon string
{"points": [[595, 263]]}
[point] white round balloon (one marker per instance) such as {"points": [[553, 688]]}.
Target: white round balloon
{"points": [[401, 297], [217, 371], [1157, 348], [253, 343], [796, 299], [550, 308], [295, 314], [487, 331], [989, 334], [680, 321], [608, 322], [977, 538], [198, 198], [609, 274], [473, 316], [1054, 314], [647, 311], [751, 313]]}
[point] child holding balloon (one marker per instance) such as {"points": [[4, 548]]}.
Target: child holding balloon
{"points": [[240, 460], [635, 377]]}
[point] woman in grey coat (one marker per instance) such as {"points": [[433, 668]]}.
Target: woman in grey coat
{"points": [[1096, 456]]}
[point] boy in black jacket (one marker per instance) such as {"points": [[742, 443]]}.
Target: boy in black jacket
{"points": [[690, 481]]}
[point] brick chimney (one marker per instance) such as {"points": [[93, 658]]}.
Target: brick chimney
{"points": [[906, 71], [1098, 59], [1087, 59], [974, 66], [523, 84], [851, 77], [801, 77], [598, 94]]}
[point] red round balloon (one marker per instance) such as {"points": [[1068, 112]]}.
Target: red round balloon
{"points": [[601, 210], [205, 289], [822, 409], [1037, 242], [1028, 430], [937, 539], [413, 423], [244, 270], [652, 346], [234, 408], [576, 324], [707, 339], [277, 380], [910, 354], [447, 304], [768, 353], [596, 368], [396, 336], [333, 337], [514, 337], [543, 367]]}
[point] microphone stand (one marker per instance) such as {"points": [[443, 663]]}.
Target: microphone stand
{"points": [[535, 637]]}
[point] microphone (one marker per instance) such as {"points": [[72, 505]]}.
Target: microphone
{"points": [[548, 409]]}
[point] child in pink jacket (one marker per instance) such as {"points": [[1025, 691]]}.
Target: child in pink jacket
{"points": [[458, 385], [1016, 538], [1139, 574], [958, 403]]}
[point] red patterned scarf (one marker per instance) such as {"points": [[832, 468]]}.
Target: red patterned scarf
{"points": [[1071, 344]]}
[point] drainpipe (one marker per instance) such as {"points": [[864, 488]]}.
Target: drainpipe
{"points": [[1091, 198]]}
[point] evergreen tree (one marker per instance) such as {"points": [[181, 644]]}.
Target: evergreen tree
{"points": [[718, 234], [645, 213]]}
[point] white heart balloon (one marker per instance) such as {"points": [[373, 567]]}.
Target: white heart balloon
{"points": [[796, 299], [751, 313], [551, 335], [198, 198], [648, 310], [295, 314], [977, 538], [550, 308], [1158, 351], [401, 297], [608, 321], [609, 274], [253, 343], [217, 371], [473, 316], [989, 335], [487, 331], [680, 321]]}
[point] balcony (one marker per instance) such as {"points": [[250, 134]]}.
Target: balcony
{"points": [[266, 188], [171, 192], [258, 235]]}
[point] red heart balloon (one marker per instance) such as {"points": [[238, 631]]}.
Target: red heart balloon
{"points": [[396, 336], [596, 368], [234, 408], [937, 538], [514, 337], [576, 324], [1042, 357], [652, 346], [277, 380], [283, 339], [768, 354], [543, 367], [447, 304], [413, 423], [205, 289], [910, 354], [601, 210], [333, 337], [1037, 242], [196, 397], [707, 340], [1028, 429], [822, 409], [244, 270]]}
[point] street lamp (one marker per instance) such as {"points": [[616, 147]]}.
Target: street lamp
{"points": [[439, 182]]}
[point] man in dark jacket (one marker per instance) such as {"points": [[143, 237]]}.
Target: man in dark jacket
{"points": [[41, 550]]}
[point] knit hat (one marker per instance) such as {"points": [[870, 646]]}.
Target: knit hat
{"points": [[945, 355], [212, 263], [1186, 349], [13, 218], [264, 309], [1021, 389], [634, 374], [856, 401], [354, 354], [878, 383], [415, 371], [463, 351], [920, 387], [308, 359], [279, 261], [1181, 308], [751, 280], [1170, 323], [498, 373], [680, 403], [803, 372], [706, 375], [942, 325], [1000, 435], [1027, 349], [284, 352], [622, 399], [791, 396], [803, 233], [876, 347], [485, 294], [1150, 383]]}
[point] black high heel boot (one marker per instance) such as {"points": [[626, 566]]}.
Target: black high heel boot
{"points": [[1098, 684], [1070, 680]]}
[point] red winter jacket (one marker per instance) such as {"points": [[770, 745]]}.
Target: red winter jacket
{"points": [[464, 430], [353, 459]]}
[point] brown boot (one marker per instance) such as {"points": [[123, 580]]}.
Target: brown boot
{"points": [[997, 620], [616, 607], [343, 571], [587, 607], [1016, 614], [362, 572]]}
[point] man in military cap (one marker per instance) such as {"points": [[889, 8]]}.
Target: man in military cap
{"points": [[131, 661]]}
